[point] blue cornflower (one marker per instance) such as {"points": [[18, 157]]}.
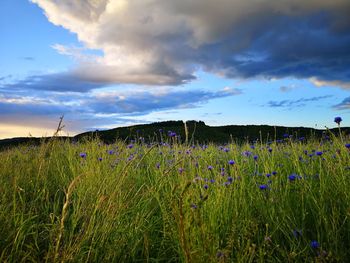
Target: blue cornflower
{"points": [[319, 153], [210, 167], [274, 173], [110, 152], [130, 146], [100, 159], [263, 187], [194, 206], [338, 120], [206, 186], [158, 165], [212, 181], [268, 175], [292, 177], [82, 155], [230, 179], [231, 162], [347, 145], [286, 135], [270, 149], [255, 157], [314, 244], [181, 170]]}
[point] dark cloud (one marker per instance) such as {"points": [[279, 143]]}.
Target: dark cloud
{"points": [[144, 102], [296, 103], [61, 82], [344, 105]]}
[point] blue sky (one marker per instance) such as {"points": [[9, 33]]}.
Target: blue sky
{"points": [[111, 63]]}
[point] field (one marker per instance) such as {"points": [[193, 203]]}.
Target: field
{"points": [[282, 201]]}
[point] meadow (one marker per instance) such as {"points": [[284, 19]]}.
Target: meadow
{"points": [[285, 200]]}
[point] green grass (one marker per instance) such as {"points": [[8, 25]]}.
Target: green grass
{"points": [[150, 203]]}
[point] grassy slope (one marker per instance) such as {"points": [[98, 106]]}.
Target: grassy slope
{"points": [[150, 203]]}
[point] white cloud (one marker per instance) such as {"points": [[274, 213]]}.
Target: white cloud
{"points": [[163, 42]]}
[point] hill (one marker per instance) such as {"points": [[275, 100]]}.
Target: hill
{"points": [[198, 132]]}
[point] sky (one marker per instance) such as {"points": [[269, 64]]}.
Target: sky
{"points": [[109, 63]]}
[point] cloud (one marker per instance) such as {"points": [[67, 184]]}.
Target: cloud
{"points": [[164, 42], [99, 108], [28, 58], [141, 102], [344, 105], [296, 103]]}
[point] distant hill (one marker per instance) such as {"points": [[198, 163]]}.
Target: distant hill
{"points": [[198, 132]]}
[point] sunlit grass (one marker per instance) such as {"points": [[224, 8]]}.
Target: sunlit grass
{"points": [[285, 201]]}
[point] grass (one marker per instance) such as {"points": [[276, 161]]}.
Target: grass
{"points": [[285, 201]]}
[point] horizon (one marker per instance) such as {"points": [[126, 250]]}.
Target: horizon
{"points": [[115, 63]]}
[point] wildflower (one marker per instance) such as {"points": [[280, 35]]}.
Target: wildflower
{"points": [[110, 152], [194, 206], [230, 179], [314, 244], [206, 186], [338, 120], [292, 177], [181, 170], [212, 181], [231, 162], [158, 165], [319, 153], [100, 159], [226, 150], [210, 167], [347, 145], [263, 187], [255, 157], [286, 135], [82, 155], [268, 175], [270, 149], [130, 146], [274, 173]]}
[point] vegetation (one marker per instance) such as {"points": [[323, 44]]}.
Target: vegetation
{"points": [[279, 200]]}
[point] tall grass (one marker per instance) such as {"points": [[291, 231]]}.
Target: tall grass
{"points": [[285, 201]]}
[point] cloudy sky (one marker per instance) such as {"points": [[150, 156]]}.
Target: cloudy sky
{"points": [[110, 63]]}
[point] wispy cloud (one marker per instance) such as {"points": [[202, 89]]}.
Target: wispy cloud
{"points": [[296, 103], [344, 105], [99, 108]]}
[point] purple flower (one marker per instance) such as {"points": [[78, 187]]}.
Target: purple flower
{"points": [[194, 206], [130, 146], [158, 165], [210, 167], [347, 145], [230, 179], [231, 162], [100, 159], [292, 177], [82, 155], [270, 150], [212, 181], [314, 244], [255, 157], [206, 186], [319, 153], [268, 175], [274, 173], [338, 120], [263, 187]]}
